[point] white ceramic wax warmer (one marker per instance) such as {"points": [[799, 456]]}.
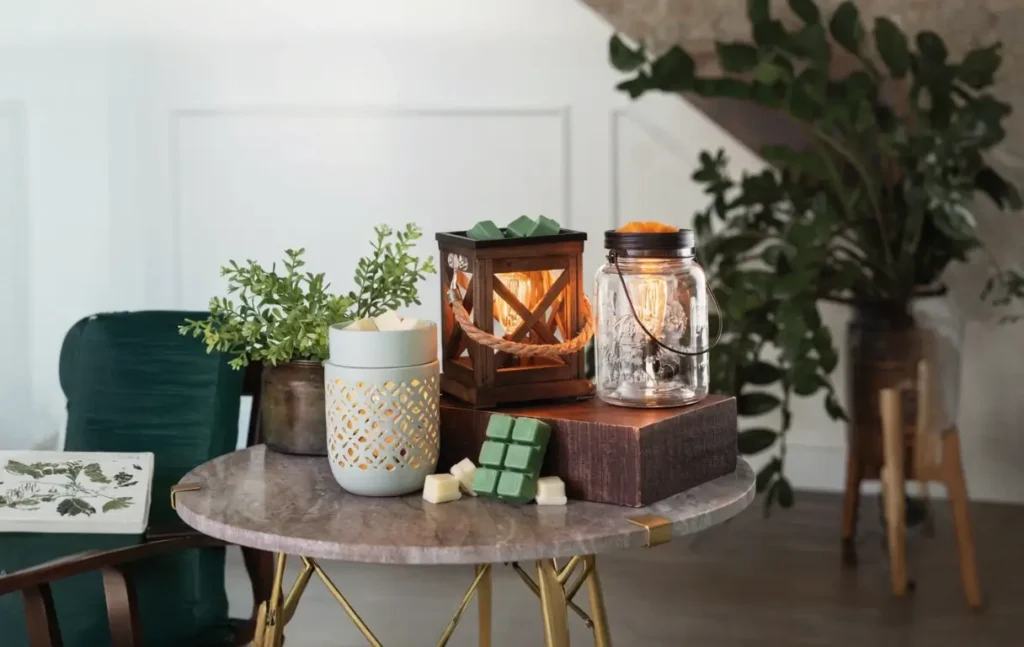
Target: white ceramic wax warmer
{"points": [[382, 396]]}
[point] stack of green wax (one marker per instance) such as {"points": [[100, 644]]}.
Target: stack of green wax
{"points": [[511, 457], [521, 227]]}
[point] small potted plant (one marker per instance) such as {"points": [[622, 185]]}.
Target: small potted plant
{"points": [[282, 319]]}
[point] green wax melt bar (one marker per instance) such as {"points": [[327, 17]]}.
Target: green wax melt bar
{"points": [[512, 457], [517, 487], [523, 458], [547, 227], [499, 427], [485, 230], [521, 227], [492, 453], [529, 431], [485, 481]]}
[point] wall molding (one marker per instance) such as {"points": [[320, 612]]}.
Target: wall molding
{"points": [[661, 136], [316, 111], [17, 230]]}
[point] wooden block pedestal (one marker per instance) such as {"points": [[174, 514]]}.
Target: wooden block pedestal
{"points": [[629, 457]]}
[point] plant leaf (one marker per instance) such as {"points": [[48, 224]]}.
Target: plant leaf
{"points": [[767, 472], [635, 86], [756, 403], [74, 507], [834, 409], [761, 373], [996, 187], [932, 47], [845, 27], [673, 71], [737, 58], [978, 69], [753, 441], [806, 10], [624, 58], [22, 469], [892, 46], [119, 503], [758, 10], [94, 473]]}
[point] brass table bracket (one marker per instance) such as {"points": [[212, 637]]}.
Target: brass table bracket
{"points": [[182, 487], [659, 529]]}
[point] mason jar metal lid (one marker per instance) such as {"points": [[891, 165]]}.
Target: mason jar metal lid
{"points": [[651, 245]]}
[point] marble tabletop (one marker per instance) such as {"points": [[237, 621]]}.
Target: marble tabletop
{"points": [[291, 504]]}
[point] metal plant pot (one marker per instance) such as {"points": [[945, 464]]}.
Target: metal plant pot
{"points": [[292, 408]]}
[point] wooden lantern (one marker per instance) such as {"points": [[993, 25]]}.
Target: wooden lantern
{"points": [[515, 321]]}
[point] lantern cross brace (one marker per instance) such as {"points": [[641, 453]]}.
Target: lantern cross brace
{"points": [[534, 319]]}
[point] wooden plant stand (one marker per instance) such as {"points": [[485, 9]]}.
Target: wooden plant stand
{"points": [[935, 458]]}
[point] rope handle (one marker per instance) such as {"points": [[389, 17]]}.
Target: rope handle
{"points": [[551, 351]]}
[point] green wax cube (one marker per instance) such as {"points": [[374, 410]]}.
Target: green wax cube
{"points": [[521, 227], [516, 487], [485, 230], [499, 427], [546, 227], [530, 431], [523, 458], [485, 481], [492, 454]]}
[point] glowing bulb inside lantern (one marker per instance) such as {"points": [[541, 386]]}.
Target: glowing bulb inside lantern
{"points": [[650, 295], [519, 284]]}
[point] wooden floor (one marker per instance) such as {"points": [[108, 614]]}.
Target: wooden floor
{"points": [[775, 582]]}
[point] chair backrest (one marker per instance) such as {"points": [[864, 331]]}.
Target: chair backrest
{"points": [[134, 384]]}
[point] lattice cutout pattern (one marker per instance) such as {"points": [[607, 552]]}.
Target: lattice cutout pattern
{"points": [[383, 426]]}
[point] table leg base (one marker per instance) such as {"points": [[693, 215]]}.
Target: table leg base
{"points": [[552, 587]]}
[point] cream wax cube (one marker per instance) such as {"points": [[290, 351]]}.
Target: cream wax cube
{"points": [[388, 321], [364, 325], [441, 488], [407, 324], [550, 491], [465, 470]]}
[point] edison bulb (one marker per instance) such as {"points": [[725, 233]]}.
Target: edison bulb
{"points": [[520, 285], [650, 297]]}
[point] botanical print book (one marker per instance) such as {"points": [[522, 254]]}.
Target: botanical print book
{"points": [[75, 492]]}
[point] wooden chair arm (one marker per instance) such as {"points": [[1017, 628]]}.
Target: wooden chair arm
{"points": [[91, 560]]}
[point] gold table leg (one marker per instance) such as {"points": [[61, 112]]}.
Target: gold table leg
{"points": [[483, 598], [552, 587], [270, 620], [553, 606], [602, 638]]}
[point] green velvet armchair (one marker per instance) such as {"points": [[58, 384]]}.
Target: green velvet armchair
{"points": [[133, 384]]}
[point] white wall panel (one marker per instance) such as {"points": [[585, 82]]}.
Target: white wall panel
{"points": [[15, 268], [250, 182]]}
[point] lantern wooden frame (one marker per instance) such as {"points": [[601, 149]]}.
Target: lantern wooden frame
{"points": [[483, 376]]}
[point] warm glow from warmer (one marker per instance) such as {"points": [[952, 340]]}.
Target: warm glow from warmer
{"points": [[650, 296], [520, 285]]}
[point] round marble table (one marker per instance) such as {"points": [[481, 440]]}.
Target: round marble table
{"points": [[291, 505]]}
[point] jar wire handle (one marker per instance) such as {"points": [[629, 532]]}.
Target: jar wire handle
{"points": [[613, 257]]}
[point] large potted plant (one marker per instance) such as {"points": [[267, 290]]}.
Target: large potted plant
{"points": [[282, 318], [868, 207]]}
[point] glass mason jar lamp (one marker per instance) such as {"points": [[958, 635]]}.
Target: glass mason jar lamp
{"points": [[652, 321]]}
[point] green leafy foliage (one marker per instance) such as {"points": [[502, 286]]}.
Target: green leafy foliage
{"points": [[74, 507], [870, 211], [118, 503], [95, 474], [280, 317]]}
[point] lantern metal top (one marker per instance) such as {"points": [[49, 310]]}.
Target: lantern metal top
{"points": [[651, 245], [460, 239]]}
